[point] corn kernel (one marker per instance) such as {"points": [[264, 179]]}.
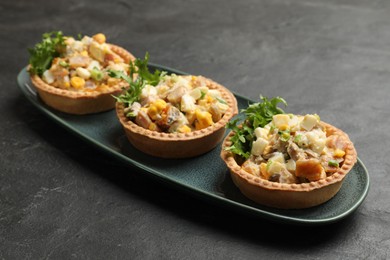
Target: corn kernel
{"points": [[100, 38], [84, 53], [191, 117], [203, 119], [67, 84], [153, 112], [280, 120], [112, 81], [160, 104], [263, 171], [209, 99], [118, 59], [283, 127], [152, 127], [77, 82], [203, 103], [184, 129], [339, 153], [102, 87]]}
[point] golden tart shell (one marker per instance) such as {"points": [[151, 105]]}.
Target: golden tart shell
{"points": [[290, 196], [80, 102], [179, 145]]}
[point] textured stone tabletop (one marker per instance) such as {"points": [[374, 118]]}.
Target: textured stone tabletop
{"points": [[60, 198]]}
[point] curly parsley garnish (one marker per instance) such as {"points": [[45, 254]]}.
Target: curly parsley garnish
{"points": [[44, 52], [256, 115], [140, 67]]}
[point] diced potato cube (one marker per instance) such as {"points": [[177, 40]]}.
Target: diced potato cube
{"points": [[182, 82], [317, 140], [251, 167], [301, 140], [96, 51], [196, 93], [294, 123], [86, 40], [93, 64], [48, 77], [83, 73], [290, 165], [147, 91], [308, 122], [281, 120], [278, 157], [187, 103], [222, 107], [77, 46], [318, 146], [214, 93], [162, 90], [175, 94], [274, 167], [258, 146], [261, 132]]}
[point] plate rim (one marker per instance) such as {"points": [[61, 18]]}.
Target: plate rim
{"points": [[32, 96]]}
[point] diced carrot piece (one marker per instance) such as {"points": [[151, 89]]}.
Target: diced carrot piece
{"points": [[310, 169]]}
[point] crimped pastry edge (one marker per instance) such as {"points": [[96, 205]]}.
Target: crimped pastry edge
{"points": [[80, 102], [282, 195], [179, 145]]}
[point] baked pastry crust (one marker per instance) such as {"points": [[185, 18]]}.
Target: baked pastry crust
{"points": [[290, 196], [80, 102], [179, 145]]}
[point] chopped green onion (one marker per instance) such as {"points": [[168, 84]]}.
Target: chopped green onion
{"points": [[64, 64], [242, 139], [297, 138], [130, 114], [333, 163], [96, 74], [268, 165], [220, 100], [284, 135]]}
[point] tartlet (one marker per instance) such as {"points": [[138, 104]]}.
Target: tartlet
{"points": [[302, 192], [79, 94], [166, 136]]}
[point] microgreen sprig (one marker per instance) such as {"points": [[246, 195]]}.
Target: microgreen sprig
{"points": [[44, 52], [137, 82], [256, 115]]}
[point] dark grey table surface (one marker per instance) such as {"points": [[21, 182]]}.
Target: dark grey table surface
{"points": [[60, 198]]}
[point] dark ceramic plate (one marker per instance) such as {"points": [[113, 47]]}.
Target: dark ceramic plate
{"points": [[198, 175]]}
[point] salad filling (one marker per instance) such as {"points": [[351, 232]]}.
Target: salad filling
{"points": [[170, 103], [286, 148], [77, 65]]}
